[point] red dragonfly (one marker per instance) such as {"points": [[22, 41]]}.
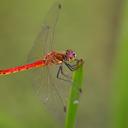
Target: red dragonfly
{"points": [[43, 60]]}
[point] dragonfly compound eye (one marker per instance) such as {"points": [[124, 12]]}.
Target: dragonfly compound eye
{"points": [[70, 55]]}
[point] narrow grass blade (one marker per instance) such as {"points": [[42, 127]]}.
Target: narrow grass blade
{"points": [[74, 98], [119, 102]]}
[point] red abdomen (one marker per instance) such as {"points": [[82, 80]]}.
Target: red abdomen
{"points": [[38, 63]]}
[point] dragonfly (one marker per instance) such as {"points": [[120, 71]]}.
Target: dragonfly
{"points": [[47, 65]]}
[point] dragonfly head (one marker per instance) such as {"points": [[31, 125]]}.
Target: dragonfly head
{"points": [[70, 55]]}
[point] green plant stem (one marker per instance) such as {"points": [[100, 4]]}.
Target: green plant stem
{"points": [[74, 98]]}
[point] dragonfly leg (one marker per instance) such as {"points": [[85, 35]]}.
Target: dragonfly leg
{"points": [[75, 66], [61, 72], [71, 67]]}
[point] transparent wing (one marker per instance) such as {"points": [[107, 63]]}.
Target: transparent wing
{"points": [[52, 92], [44, 40]]}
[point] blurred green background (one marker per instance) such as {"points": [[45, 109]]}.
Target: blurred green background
{"points": [[97, 30]]}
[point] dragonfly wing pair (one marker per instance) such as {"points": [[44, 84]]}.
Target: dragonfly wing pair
{"points": [[52, 92]]}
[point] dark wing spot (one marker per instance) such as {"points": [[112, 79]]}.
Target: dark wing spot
{"points": [[65, 109], [80, 90], [59, 6]]}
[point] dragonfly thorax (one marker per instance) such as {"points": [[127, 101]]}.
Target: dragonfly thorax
{"points": [[54, 58]]}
